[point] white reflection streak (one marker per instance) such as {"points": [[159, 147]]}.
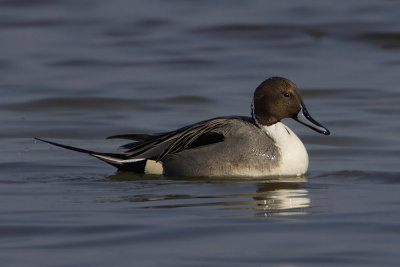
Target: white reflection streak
{"points": [[284, 199]]}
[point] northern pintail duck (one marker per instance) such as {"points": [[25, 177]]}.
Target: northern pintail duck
{"points": [[260, 145]]}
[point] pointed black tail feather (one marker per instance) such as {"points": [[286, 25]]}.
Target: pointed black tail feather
{"points": [[68, 147], [118, 160]]}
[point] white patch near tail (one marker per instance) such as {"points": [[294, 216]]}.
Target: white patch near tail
{"points": [[154, 167], [151, 167]]}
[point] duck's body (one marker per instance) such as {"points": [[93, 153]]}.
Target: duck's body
{"points": [[226, 146], [245, 150]]}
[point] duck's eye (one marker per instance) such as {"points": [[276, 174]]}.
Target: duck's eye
{"points": [[286, 94]]}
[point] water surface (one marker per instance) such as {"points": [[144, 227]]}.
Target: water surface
{"points": [[79, 71]]}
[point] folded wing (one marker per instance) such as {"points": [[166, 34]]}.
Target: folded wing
{"points": [[157, 146]]}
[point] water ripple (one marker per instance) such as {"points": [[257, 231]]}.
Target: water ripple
{"points": [[99, 103], [359, 176]]}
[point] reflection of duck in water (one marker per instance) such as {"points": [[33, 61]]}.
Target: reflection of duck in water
{"points": [[282, 198], [279, 196], [259, 145]]}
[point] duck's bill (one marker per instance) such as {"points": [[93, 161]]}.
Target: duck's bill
{"points": [[305, 118]]}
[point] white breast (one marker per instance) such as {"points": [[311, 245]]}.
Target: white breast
{"points": [[294, 157]]}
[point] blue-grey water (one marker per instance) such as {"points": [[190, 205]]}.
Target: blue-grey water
{"points": [[79, 71]]}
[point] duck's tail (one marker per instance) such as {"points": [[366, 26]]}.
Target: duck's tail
{"points": [[118, 160]]}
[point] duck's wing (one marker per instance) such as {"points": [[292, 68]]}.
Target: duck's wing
{"points": [[137, 137], [157, 146]]}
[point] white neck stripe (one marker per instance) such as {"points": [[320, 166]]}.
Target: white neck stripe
{"points": [[253, 114]]}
